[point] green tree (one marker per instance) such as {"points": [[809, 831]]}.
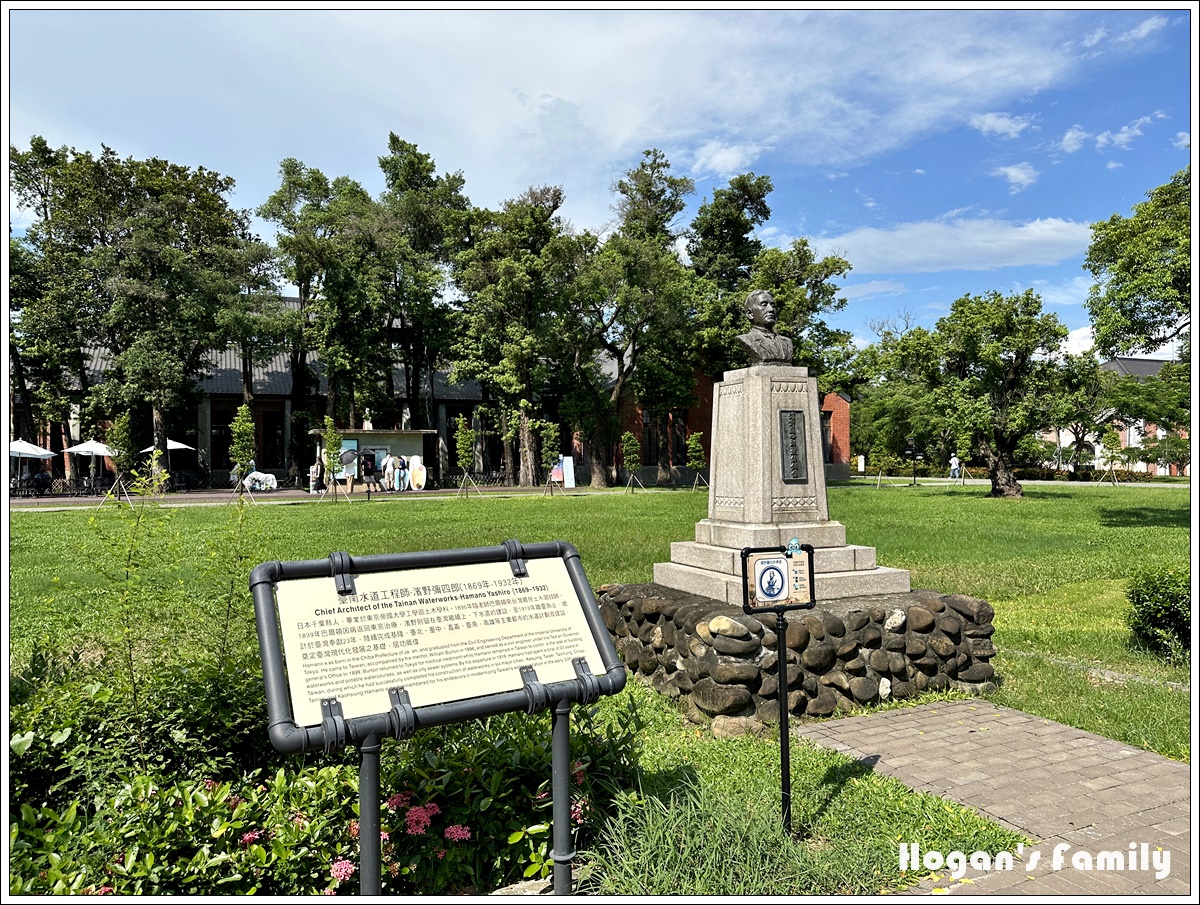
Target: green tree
{"points": [[425, 225], [722, 246], [632, 303], [649, 199], [58, 285], [241, 441], [464, 444], [992, 364], [1142, 266], [516, 282], [120, 440], [631, 452], [134, 258], [332, 453], [179, 258], [256, 321], [1082, 403], [298, 208]]}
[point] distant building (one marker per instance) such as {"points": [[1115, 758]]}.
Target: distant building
{"points": [[1131, 435]]}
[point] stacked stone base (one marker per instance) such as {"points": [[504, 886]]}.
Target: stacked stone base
{"points": [[848, 653]]}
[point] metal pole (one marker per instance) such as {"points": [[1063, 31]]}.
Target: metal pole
{"points": [[785, 754], [560, 785], [369, 843]]}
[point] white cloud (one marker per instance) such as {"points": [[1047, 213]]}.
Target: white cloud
{"points": [[1074, 139], [1123, 137], [1113, 165], [1020, 176], [724, 160], [1070, 293], [918, 172], [1000, 124], [928, 246], [1094, 38], [872, 290], [1182, 140], [1078, 341], [1147, 28]]}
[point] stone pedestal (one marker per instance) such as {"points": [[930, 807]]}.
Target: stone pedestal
{"points": [[767, 485]]}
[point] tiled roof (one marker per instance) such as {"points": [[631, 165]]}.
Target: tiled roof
{"points": [[1134, 367]]}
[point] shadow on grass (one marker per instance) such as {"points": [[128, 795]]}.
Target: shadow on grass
{"points": [[830, 787], [665, 785], [1144, 517]]}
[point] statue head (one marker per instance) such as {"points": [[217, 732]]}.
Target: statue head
{"points": [[760, 309]]}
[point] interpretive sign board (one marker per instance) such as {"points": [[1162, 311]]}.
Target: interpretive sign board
{"points": [[394, 642], [443, 634], [358, 649], [777, 578]]}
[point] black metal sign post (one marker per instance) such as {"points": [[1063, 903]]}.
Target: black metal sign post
{"points": [[342, 685], [778, 580]]}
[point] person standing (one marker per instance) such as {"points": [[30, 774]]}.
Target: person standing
{"points": [[954, 466], [389, 472]]}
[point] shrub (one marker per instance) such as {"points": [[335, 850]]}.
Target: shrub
{"points": [[1160, 615], [77, 729]]}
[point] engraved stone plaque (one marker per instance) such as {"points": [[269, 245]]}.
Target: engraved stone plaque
{"points": [[793, 447]]}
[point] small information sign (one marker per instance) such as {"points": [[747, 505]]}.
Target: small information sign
{"points": [[778, 577]]}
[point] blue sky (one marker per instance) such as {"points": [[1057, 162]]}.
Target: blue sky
{"points": [[942, 152]]}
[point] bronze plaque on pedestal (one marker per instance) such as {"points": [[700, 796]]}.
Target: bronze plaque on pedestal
{"points": [[793, 447]]}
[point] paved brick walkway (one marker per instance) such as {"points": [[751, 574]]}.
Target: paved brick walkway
{"points": [[1068, 790]]}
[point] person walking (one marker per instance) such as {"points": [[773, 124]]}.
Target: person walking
{"points": [[954, 466]]}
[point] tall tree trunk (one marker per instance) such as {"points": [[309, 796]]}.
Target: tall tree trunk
{"points": [[160, 434], [664, 451], [247, 380], [25, 429], [1000, 471], [529, 467], [506, 449], [596, 463]]}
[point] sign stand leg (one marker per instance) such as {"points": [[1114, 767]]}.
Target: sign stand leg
{"points": [[560, 783], [369, 843], [785, 754]]}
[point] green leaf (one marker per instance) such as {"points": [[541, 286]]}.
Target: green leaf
{"points": [[20, 743]]}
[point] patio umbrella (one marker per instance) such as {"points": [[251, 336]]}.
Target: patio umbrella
{"points": [[91, 448], [23, 449], [171, 444]]}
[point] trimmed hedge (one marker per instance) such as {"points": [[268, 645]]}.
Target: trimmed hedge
{"points": [[1160, 614]]}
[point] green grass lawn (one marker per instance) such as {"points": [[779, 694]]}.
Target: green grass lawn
{"points": [[1054, 565]]}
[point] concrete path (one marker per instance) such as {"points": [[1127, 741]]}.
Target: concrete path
{"points": [[1074, 793]]}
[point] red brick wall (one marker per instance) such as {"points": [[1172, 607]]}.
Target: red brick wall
{"points": [[839, 428]]}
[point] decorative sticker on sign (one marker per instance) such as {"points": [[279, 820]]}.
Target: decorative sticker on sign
{"points": [[443, 634]]}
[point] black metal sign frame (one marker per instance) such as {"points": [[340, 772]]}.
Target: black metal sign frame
{"points": [[780, 610], [366, 732]]}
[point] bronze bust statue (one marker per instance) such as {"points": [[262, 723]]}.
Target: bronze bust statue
{"points": [[762, 343]]}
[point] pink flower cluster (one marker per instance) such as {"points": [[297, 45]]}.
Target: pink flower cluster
{"points": [[399, 800], [342, 870], [417, 820], [458, 833], [252, 836], [352, 829], [580, 810]]}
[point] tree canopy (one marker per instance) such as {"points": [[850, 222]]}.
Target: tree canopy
{"points": [[1142, 296]]}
